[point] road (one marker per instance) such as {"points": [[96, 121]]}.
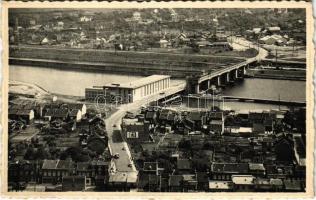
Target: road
{"points": [[125, 168], [240, 43]]}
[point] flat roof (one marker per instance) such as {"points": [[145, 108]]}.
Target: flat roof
{"points": [[138, 83]]}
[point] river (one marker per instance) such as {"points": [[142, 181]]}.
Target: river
{"points": [[64, 82], [288, 90], [74, 83]]}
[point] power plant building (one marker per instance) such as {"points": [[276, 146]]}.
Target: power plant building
{"points": [[130, 92]]}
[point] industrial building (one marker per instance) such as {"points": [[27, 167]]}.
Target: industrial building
{"points": [[130, 92]]}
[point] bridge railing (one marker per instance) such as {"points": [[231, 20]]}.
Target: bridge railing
{"points": [[225, 70]]}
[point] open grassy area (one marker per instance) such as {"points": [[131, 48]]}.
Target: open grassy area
{"points": [[175, 60]]}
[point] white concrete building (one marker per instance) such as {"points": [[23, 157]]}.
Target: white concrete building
{"points": [[136, 90]]}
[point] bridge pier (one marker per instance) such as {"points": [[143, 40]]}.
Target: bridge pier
{"points": [[197, 88], [227, 77], [219, 82]]}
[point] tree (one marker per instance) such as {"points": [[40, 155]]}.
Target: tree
{"points": [[42, 154], [30, 154]]}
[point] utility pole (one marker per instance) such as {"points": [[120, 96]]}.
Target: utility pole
{"points": [[223, 103], [17, 31], [279, 103], [293, 48]]}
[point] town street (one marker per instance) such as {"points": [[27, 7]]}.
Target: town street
{"points": [[125, 169]]}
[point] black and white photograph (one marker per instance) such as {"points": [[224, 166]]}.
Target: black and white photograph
{"points": [[158, 100]]}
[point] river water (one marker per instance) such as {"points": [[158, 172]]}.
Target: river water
{"points": [[74, 83]]}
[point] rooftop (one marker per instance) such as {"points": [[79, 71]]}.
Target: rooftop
{"points": [[224, 185], [140, 82], [243, 179], [183, 164], [230, 167]]}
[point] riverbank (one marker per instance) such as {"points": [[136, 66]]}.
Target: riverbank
{"points": [[127, 62], [297, 75]]}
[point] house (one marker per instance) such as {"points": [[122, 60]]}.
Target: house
{"points": [[73, 183], [184, 166], [23, 171], [256, 31], [137, 16], [274, 29], [75, 115], [149, 182], [195, 119], [78, 106], [163, 43], [278, 171], [257, 169], [216, 122], [85, 169], [86, 19], [243, 182], [292, 185], [175, 183], [202, 181], [56, 114], [60, 25], [220, 186], [100, 172], [17, 112], [167, 117], [265, 185], [258, 128], [33, 187], [54, 170], [224, 171], [277, 184], [262, 184], [151, 116], [150, 167], [268, 40], [153, 183], [135, 131], [279, 40], [45, 41], [189, 182]]}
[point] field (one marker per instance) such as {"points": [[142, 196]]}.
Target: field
{"points": [[129, 59]]}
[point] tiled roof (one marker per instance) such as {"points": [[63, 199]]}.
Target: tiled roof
{"points": [[230, 167], [50, 164], [175, 180], [183, 164]]}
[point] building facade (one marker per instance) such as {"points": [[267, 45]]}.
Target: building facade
{"points": [[130, 92]]}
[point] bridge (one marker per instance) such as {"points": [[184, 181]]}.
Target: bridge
{"points": [[225, 75]]}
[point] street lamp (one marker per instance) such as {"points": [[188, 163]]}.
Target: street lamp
{"points": [[213, 88], [189, 95], [198, 102], [128, 100]]}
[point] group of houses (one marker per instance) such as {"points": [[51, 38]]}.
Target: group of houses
{"points": [[60, 175], [137, 128], [271, 36], [256, 169]]}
